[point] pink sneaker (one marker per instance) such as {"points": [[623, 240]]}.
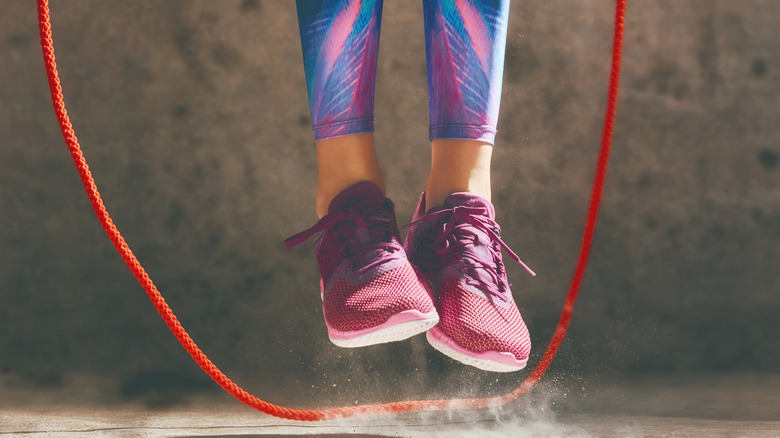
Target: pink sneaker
{"points": [[458, 249], [370, 292]]}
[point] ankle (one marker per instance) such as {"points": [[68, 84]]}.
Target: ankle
{"points": [[329, 189], [342, 163], [437, 193], [458, 166]]}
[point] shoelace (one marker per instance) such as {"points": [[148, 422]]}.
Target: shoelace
{"points": [[374, 215], [457, 230]]}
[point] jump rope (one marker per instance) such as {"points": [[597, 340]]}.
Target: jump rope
{"points": [[44, 24]]}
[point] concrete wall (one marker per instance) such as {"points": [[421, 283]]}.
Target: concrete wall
{"points": [[194, 120]]}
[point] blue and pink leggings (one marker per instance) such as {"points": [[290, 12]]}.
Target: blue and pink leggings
{"points": [[464, 44]]}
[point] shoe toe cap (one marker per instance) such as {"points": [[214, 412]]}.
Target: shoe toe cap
{"points": [[350, 307], [479, 325]]}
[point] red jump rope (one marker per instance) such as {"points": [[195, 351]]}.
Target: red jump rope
{"points": [[222, 380]]}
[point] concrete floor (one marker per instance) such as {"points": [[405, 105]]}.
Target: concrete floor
{"points": [[689, 406]]}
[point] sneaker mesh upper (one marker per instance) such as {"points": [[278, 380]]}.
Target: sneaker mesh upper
{"points": [[461, 261], [366, 276], [348, 308], [478, 325]]}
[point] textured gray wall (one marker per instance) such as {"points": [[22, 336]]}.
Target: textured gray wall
{"points": [[193, 117]]}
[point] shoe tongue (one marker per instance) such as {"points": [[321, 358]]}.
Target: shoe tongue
{"points": [[354, 194], [465, 199]]}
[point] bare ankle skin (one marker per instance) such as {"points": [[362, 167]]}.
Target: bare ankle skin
{"points": [[343, 162], [458, 166]]}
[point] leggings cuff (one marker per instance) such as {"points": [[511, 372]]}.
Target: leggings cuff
{"points": [[484, 133], [341, 129]]}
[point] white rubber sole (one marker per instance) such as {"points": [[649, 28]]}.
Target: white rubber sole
{"points": [[398, 327], [494, 361]]}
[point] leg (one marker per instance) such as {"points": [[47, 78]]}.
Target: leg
{"points": [[370, 292], [454, 239], [465, 44], [458, 166], [340, 42], [343, 162]]}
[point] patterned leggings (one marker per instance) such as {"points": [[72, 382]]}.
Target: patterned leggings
{"points": [[465, 42]]}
